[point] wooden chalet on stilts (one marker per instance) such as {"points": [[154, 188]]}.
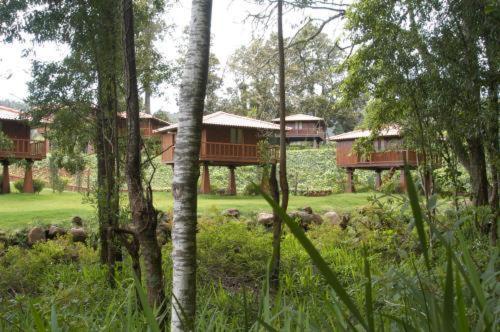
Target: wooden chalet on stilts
{"points": [[305, 128], [148, 124], [388, 154], [22, 147], [226, 140]]}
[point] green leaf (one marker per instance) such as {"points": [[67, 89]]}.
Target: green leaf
{"points": [[448, 317], [147, 310], [368, 293], [330, 276], [462, 324], [417, 215], [54, 326], [39, 323]]}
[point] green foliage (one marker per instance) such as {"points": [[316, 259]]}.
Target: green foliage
{"points": [[38, 185], [5, 141], [60, 184]]}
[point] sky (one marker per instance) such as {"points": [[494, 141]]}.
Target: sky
{"points": [[230, 30]]}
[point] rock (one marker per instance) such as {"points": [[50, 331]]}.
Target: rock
{"points": [[36, 234], [77, 221], [345, 220], [332, 218], [78, 234], [265, 219], [235, 213], [306, 219], [307, 209], [55, 231]]}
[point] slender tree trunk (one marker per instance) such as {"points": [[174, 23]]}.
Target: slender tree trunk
{"points": [[105, 51], [144, 216], [479, 179], [186, 169], [275, 262], [277, 226], [493, 146], [147, 100]]}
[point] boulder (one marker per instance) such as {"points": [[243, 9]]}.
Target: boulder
{"points": [[78, 234], [266, 219], [77, 221], [332, 218], [55, 231], [36, 234], [307, 209], [306, 219], [235, 213], [345, 220]]}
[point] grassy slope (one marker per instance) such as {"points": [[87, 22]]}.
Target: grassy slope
{"points": [[21, 210]]}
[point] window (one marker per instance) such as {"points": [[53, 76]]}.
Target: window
{"points": [[298, 125], [236, 136]]}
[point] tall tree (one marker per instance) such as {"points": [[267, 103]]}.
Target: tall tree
{"points": [[144, 215], [186, 169], [283, 180], [412, 58]]}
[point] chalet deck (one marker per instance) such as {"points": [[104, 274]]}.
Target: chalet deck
{"points": [[24, 149], [21, 147], [304, 128], [226, 140], [387, 154]]}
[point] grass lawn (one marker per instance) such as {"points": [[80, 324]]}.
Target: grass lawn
{"points": [[22, 210]]}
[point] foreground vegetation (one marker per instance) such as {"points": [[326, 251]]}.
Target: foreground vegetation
{"points": [[61, 284]]}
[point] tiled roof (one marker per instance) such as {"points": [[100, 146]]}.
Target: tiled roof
{"points": [[392, 131], [229, 120], [300, 117], [144, 115], [7, 113]]}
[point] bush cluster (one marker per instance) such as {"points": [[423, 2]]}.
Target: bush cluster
{"points": [[38, 185]]}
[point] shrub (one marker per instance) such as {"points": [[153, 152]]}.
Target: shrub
{"points": [[38, 185], [250, 190], [59, 184]]}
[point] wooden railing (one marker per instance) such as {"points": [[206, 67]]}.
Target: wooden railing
{"points": [[24, 148], [306, 132], [246, 153], [387, 157]]}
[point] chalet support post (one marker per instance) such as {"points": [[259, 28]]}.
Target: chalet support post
{"points": [[231, 189], [205, 180], [28, 177], [378, 179], [350, 181], [402, 180], [315, 143], [5, 178]]}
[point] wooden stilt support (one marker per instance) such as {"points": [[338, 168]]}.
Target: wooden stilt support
{"points": [[402, 180], [28, 177], [350, 181], [205, 180], [5, 178], [378, 179], [231, 189]]}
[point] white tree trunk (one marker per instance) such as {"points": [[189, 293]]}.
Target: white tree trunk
{"points": [[186, 169]]}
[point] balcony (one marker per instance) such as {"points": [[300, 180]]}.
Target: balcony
{"points": [[24, 149], [217, 153], [306, 132], [383, 159]]}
